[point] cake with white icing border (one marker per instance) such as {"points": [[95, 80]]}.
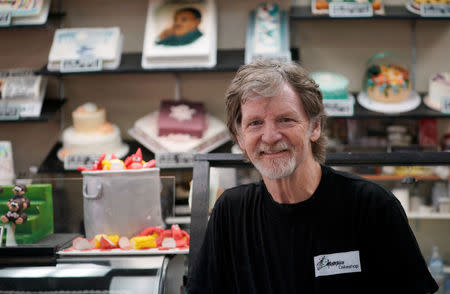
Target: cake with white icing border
{"points": [[92, 134], [438, 90]]}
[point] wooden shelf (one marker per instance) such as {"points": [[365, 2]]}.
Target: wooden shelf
{"points": [[228, 60]]}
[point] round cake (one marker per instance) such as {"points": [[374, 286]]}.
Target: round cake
{"points": [[439, 88], [388, 83], [88, 118], [332, 85], [91, 133]]}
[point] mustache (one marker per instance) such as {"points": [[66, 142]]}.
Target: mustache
{"points": [[279, 146]]}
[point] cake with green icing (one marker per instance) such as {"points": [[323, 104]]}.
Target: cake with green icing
{"points": [[332, 85]]}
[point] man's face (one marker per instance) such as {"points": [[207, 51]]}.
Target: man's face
{"points": [[185, 22], [275, 133]]}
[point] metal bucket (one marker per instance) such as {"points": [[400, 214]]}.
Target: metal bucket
{"points": [[121, 202]]}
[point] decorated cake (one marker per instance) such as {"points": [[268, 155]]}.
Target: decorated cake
{"points": [[332, 85], [91, 133], [439, 88], [414, 5], [322, 6], [180, 126], [388, 83], [181, 117], [267, 29]]}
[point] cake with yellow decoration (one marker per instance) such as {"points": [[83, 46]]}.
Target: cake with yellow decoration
{"points": [[91, 133], [388, 83]]}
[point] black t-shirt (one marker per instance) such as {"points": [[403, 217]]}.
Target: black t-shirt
{"points": [[350, 236]]}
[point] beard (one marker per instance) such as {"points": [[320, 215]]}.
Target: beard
{"points": [[276, 168]]}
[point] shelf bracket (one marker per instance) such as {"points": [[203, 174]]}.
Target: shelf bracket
{"points": [[177, 88]]}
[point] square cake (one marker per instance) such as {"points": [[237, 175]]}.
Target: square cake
{"points": [[181, 117]]}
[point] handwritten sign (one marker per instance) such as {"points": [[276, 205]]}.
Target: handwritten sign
{"points": [[81, 65], [435, 10], [445, 105], [5, 19], [9, 113], [174, 160], [350, 9], [336, 107], [73, 161]]}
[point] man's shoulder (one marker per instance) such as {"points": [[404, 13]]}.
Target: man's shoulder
{"points": [[240, 194], [360, 187]]}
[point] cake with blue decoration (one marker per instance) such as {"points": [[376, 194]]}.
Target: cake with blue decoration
{"points": [[332, 85], [388, 83]]}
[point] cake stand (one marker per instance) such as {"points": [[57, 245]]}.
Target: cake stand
{"points": [[411, 103]]}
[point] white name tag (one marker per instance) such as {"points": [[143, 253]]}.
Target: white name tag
{"points": [[445, 105], [5, 19], [73, 161], [9, 113], [350, 9], [174, 159], [435, 10], [81, 65], [337, 107], [337, 263]]}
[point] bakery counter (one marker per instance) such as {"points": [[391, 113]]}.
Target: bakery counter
{"points": [[145, 274]]}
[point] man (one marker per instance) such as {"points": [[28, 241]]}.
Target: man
{"points": [[184, 30], [305, 228]]}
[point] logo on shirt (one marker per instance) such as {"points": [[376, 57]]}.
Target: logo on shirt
{"points": [[337, 263]]}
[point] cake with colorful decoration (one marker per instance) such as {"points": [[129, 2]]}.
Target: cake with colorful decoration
{"points": [[332, 85], [438, 90], [388, 83], [91, 133]]}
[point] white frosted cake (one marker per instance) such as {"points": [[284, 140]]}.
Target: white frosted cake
{"points": [[439, 88], [92, 134], [267, 29], [145, 130]]}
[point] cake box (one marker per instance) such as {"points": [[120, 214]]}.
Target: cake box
{"points": [[121, 202], [181, 117]]}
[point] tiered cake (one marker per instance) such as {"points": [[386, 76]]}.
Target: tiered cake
{"points": [[92, 134]]}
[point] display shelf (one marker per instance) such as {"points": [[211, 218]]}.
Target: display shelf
{"points": [[53, 17], [431, 215], [385, 177], [422, 111], [42, 252], [49, 108], [228, 60], [391, 12], [52, 164], [346, 158]]}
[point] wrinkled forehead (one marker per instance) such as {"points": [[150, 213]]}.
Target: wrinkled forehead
{"points": [[259, 90]]}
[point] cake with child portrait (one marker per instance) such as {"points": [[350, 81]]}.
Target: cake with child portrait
{"points": [[180, 34]]}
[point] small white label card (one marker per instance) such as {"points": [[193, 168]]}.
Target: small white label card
{"points": [[445, 105], [9, 112], [73, 161], [337, 263], [5, 18], [339, 107], [435, 10], [350, 9], [174, 159], [81, 65]]}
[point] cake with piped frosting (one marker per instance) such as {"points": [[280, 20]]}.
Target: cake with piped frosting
{"points": [[91, 133], [332, 85], [438, 89]]}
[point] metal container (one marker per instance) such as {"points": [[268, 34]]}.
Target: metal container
{"points": [[121, 202]]}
